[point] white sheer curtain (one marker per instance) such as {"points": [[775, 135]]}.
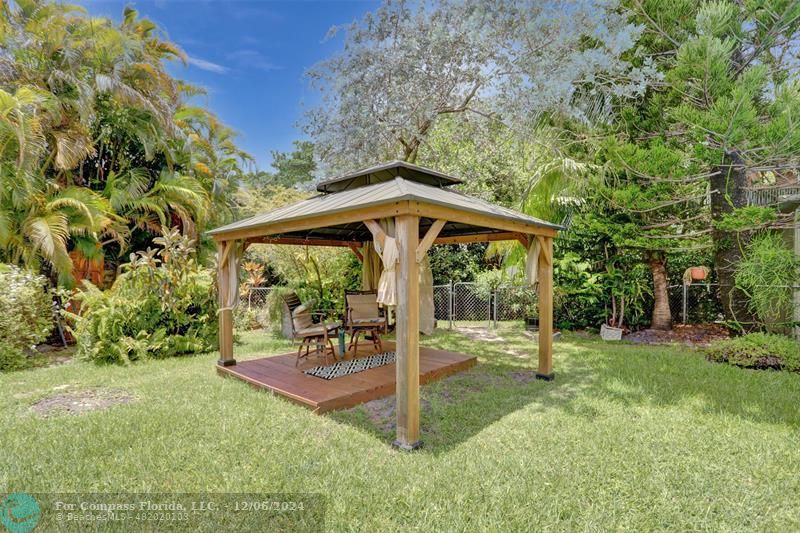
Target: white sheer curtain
{"points": [[532, 261], [230, 296], [389, 255]]}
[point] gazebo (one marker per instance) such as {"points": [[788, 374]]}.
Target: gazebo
{"points": [[426, 211]]}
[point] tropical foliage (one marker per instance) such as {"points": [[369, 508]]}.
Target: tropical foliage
{"points": [[162, 306], [721, 121], [639, 125], [26, 320], [98, 147], [647, 152], [768, 274]]}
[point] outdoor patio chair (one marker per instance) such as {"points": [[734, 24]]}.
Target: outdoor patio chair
{"points": [[364, 317], [317, 334]]}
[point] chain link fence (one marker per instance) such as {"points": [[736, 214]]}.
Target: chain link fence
{"points": [[257, 298], [454, 302], [697, 303], [465, 302]]}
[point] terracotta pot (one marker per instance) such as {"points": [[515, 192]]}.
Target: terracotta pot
{"points": [[698, 274]]}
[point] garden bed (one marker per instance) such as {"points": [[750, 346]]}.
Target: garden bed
{"points": [[686, 334]]}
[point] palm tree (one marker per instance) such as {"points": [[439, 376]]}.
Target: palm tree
{"points": [[214, 158], [554, 187], [38, 220], [38, 216], [95, 141]]}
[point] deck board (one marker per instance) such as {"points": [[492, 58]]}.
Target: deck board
{"points": [[279, 375]]}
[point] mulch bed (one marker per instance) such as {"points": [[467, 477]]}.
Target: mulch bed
{"points": [[689, 335]]}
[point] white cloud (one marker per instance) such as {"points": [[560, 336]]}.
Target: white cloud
{"points": [[202, 64], [253, 59]]}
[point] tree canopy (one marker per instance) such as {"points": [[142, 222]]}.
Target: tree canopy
{"points": [[405, 67], [98, 146]]}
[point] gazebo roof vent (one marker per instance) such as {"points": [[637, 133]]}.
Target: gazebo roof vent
{"points": [[387, 172]]}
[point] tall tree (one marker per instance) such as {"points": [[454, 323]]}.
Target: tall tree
{"points": [[403, 68], [296, 168], [723, 119]]}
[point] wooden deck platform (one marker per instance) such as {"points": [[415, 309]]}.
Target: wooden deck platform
{"points": [[279, 375]]}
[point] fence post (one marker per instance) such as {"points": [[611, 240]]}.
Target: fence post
{"points": [[450, 303], [494, 293], [685, 308]]}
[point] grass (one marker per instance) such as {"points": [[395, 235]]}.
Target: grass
{"points": [[626, 437]]}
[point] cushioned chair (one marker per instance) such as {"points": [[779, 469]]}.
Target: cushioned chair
{"points": [[364, 316], [317, 334]]}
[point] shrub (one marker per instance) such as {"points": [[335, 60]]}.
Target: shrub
{"points": [[11, 357], [766, 274], [27, 316], [578, 298], [249, 319], [757, 350], [162, 306]]}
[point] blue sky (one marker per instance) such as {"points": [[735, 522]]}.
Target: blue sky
{"points": [[250, 56]]}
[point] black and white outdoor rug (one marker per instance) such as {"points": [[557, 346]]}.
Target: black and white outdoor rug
{"points": [[353, 366]]}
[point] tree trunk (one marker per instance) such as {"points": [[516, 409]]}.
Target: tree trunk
{"points": [[728, 193], [662, 314]]}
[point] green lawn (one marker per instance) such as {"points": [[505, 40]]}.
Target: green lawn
{"points": [[626, 437]]}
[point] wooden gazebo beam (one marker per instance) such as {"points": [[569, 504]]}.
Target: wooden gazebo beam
{"points": [[225, 250], [479, 237], [374, 212], [451, 239], [294, 241]]}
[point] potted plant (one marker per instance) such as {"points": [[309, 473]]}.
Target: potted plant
{"points": [[627, 289], [531, 313], [695, 273], [523, 301]]}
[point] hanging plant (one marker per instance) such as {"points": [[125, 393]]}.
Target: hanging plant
{"points": [[695, 273]]}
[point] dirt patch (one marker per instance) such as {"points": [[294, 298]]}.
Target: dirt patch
{"points": [[81, 401], [480, 334], [524, 376], [689, 335], [381, 412]]}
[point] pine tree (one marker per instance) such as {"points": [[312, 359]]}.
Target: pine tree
{"points": [[722, 119]]}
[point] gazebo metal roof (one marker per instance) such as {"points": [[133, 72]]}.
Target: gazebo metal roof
{"points": [[477, 217], [387, 172]]}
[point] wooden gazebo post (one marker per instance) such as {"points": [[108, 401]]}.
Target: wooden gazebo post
{"points": [[545, 309], [224, 251], [407, 346]]}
